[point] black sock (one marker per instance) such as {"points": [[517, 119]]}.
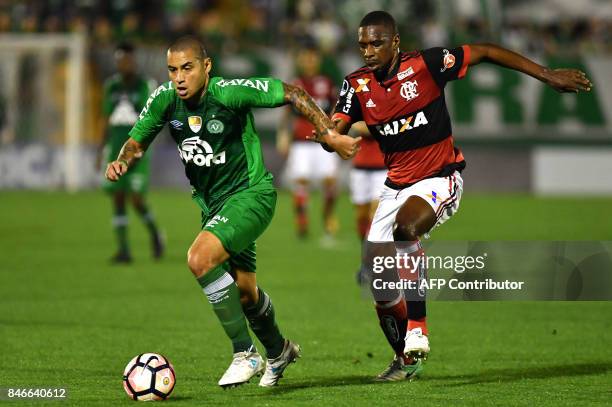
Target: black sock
{"points": [[262, 322]]}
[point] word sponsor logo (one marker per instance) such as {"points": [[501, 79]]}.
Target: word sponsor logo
{"points": [[198, 151], [405, 73], [162, 88], [349, 101], [261, 85], [401, 125], [215, 221]]}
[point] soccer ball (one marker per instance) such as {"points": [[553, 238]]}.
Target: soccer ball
{"points": [[149, 377]]}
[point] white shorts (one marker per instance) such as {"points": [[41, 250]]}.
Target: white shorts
{"points": [[366, 185], [308, 160], [443, 194]]}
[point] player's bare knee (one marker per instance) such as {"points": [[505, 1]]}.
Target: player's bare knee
{"points": [[200, 261], [405, 231]]}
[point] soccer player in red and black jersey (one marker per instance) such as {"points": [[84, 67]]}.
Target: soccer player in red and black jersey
{"points": [[400, 96], [306, 162]]}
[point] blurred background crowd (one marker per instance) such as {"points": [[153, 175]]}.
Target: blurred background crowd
{"points": [[545, 26], [56, 54]]}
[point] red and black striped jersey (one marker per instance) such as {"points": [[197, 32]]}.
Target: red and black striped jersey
{"points": [[407, 113], [369, 156]]}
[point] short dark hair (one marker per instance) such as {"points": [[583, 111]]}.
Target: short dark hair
{"points": [[125, 47], [379, 17], [189, 42]]}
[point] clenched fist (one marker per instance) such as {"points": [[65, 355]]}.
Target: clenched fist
{"points": [[115, 169]]}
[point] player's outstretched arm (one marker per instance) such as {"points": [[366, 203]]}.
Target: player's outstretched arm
{"points": [[325, 129], [562, 80], [130, 153]]}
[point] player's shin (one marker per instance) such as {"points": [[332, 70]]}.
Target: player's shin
{"points": [[263, 324], [414, 265], [393, 320], [363, 227], [120, 223], [300, 201], [156, 237], [330, 223], [148, 219], [223, 295]]}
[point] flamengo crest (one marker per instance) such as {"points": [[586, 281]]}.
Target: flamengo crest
{"points": [[409, 90]]}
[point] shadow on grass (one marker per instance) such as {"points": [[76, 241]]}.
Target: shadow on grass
{"points": [[175, 398], [516, 374], [482, 377], [323, 382]]}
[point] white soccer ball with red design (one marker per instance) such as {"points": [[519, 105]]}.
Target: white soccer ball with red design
{"points": [[149, 377]]}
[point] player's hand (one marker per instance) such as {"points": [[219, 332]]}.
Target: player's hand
{"points": [[317, 139], [567, 80], [115, 169], [345, 146]]}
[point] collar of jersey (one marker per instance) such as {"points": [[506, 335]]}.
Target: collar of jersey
{"points": [[392, 77], [200, 104]]}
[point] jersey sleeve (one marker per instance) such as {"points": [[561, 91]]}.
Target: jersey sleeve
{"points": [[154, 115], [347, 107], [249, 92], [447, 64]]}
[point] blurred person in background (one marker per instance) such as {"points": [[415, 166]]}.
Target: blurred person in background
{"points": [[307, 162], [368, 174], [400, 97], [367, 177], [125, 95]]}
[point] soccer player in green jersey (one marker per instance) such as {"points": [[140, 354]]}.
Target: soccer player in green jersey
{"points": [[125, 94], [210, 120]]}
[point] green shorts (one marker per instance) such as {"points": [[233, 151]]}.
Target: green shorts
{"points": [[240, 221], [136, 180]]}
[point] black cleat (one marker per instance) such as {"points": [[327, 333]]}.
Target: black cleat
{"points": [[121, 257], [158, 246]]}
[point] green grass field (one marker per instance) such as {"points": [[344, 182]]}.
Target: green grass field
{"points": [[68, 319]]}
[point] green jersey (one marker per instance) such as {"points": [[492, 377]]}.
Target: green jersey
{"points": [[121, 103], [216, 139]]}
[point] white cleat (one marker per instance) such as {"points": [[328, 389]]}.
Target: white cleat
{"points": [[244, 366], [416, 345], [276, 367]]}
